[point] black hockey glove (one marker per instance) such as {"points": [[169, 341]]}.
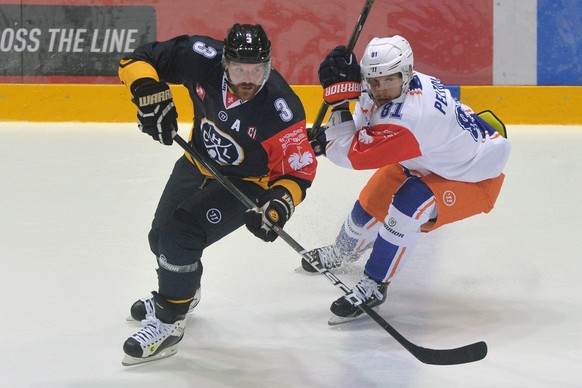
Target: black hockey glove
{"points": [[318, 143], [276, 207], [341, 80], [156, 112]]}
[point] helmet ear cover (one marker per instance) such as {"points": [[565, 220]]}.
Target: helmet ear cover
{"points": [[247, 43]]}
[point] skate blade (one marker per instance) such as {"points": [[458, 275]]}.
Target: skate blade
{"points": [[335, 320], [129, 360], [302, 271]]}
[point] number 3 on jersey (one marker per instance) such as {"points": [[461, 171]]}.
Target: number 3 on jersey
{"points": [[284, 112], [204, 50]]}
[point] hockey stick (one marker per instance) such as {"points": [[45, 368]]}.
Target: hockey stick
{"points": [[462, 355], [313, 132]]}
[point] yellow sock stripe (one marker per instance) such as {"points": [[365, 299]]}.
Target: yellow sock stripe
{"points": [[181, 301]]}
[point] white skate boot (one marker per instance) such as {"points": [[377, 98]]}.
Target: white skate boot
{"points": [[160, 334], [368, 291], [327, 257]]}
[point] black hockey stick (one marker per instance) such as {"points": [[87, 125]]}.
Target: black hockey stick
{"points": [[314, 131], [462, 355]]}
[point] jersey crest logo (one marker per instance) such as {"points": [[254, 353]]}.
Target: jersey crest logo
{"points": [[220, 146], [230, 99], [213, 216], [299, 159], [200, 91], [364, 137], [467, 122], [449, 198], [292, 143]]}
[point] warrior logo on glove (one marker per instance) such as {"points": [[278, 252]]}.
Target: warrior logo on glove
{"points": [[156, 113], [274, 215], [155, 98], [342, 91], [341, 79], [274, 207]]}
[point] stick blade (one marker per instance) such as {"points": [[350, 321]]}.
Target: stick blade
{"points": [[463, 355]]}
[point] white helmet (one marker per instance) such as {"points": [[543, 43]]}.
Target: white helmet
{"points": [[387, 56]]}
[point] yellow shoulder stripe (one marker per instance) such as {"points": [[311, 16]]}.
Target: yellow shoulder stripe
{"points": [[131, 70]]}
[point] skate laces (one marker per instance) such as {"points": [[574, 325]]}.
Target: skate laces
{"points": [[149, 306], [153, 329], [329, 257], [366, 288]]}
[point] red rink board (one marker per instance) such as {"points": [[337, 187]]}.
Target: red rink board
{"points": [[452, 40]]}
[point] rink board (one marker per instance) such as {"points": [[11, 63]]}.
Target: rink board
{"points": [[111, 103]]}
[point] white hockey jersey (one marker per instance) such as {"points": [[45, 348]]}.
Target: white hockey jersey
{"points": [[426, 131]]}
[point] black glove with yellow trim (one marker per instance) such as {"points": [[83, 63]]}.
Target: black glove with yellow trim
{"points": [[156, 112], [275, 207]]}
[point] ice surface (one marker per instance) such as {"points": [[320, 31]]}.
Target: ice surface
{"points": [[76, 201]]}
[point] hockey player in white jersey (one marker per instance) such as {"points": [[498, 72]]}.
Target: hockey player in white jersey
{"points": [[438, 162]]}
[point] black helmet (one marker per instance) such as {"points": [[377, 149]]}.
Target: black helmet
{"points": [[247, 43]]}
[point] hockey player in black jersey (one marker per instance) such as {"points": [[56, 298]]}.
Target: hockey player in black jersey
{"points": [[250, 123]]}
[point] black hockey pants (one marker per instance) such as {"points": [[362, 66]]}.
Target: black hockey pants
{"points": [[193, 213]]}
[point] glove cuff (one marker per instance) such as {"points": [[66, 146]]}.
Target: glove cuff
{"points": [[342, 91], [142, 83], [285, 198], [338, 116]]}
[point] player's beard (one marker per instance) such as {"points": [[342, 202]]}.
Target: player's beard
{"points": [[385, 97], [244, 90], [381, 101]]}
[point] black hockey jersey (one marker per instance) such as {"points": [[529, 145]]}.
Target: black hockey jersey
{"points": [[263, 139]]}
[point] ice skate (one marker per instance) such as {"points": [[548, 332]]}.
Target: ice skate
{"points": [[327, 257], [144, 308], [160, 334], [155, 341], [370, 292]]}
